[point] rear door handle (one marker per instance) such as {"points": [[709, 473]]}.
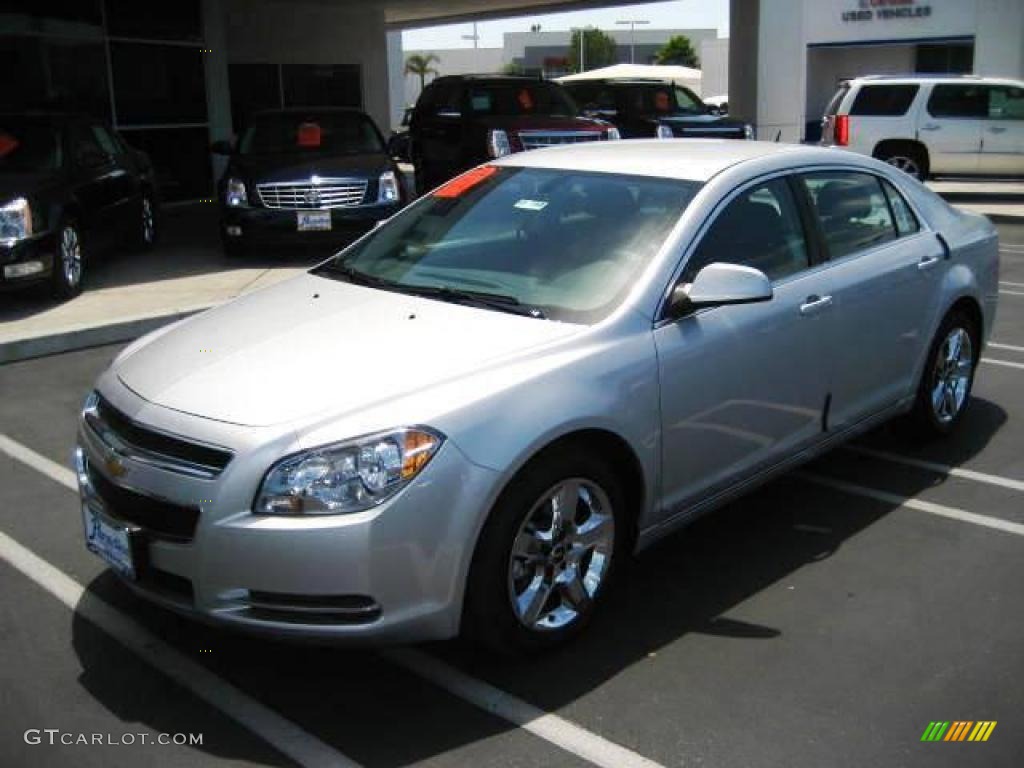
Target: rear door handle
{"points": [[931, 127], [997, 129], [814, 304], [928, 262]]}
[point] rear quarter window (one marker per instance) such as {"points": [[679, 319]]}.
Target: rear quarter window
{"points": [[837, 99], [884, 100]]}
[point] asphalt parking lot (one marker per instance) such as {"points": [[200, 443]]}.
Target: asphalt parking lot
{"points": [[825, 620]]}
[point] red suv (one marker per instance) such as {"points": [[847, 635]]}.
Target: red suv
{"points": [[463, 120]]}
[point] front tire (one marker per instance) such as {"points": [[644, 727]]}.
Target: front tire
{"points": [[67, 263], [948, 377], [547, 553]]}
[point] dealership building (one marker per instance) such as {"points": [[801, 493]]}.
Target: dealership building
{"points": [[174, 75]]}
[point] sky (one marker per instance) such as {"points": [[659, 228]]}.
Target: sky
{"points": [[678, 14]]}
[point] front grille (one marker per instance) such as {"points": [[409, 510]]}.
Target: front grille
{"points": [[152, 447], [156, 516], [325, 193], [538, 139]]}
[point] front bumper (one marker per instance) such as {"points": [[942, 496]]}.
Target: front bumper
{"points": [[27, 261], [254, 227], [395, 573]]}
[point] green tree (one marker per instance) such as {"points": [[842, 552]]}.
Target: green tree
{"points": [[419, 65], [599, 50], [678, 50]]}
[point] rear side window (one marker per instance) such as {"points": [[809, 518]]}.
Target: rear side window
{"points": [[1005, 103], [852, 209], [761, 229], [958, 101], [906, 221], [884, 100]]}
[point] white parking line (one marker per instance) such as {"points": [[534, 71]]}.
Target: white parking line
{"points": [[943, 469], [282, 734], [1012, 285], [941, 510], [1006, 363], [565, 734], [552, 728], [1011, 293], [1010, 347]]}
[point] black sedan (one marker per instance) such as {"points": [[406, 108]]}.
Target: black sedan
{"points": [[68, 187], [654, 108], [305, 176]]}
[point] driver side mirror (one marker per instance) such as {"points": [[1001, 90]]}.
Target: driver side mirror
{"points": [[719, 284]]}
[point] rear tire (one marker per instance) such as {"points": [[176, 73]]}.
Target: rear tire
{"points": [[66, 280], [910, 159], [944, 391], [538, 574]]}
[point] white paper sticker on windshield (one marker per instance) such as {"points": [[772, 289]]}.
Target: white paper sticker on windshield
{"points": [[532, 205]]}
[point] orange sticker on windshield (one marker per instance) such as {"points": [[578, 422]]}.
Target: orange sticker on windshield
{"points": [[462, 184], [525, 100], [7, 144], [309, 135]]}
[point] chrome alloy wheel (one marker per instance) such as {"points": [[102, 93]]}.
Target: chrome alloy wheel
{"points": [[148, 222], [70, 256], [561, 555], [951, 375], [906, 164]]}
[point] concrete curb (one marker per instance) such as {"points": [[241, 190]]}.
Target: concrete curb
{"points": [[71, 339]]}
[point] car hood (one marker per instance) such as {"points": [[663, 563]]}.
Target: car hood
{"points": [[312, 346], [24, 183], [292, 167]]}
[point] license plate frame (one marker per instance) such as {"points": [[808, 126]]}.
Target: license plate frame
{"points": [[114, 543], [313, 221]]}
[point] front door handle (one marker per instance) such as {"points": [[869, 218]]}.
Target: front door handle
{"points": [[931, 127], [814, 304], [928, 262]]}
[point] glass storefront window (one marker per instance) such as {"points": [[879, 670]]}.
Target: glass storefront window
{"points": [[316, 85], [55, 73], [158, 84], [253, 87], [178, 20], [180, 157]]}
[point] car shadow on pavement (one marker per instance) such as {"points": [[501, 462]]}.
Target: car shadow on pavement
{"points": [[689, 584]]}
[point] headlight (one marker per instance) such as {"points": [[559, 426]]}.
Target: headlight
{"points": [[346, 477], [664, 132], [15, 220], [234, 193], [613, 134], [748, 131], [388, 187], [498, 144]]}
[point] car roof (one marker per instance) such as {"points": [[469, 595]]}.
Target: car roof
{"points": [[689, 159], [497, 78], [925, 78], [620, 81]]}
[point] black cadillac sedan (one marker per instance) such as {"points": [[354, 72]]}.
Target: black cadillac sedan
{"points": [[305, 177], [68, 188]]}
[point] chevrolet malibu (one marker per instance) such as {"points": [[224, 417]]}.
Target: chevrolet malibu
{"points": [[467, 419]]}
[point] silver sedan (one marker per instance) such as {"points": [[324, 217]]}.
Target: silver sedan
{"points": [[467, 419]]}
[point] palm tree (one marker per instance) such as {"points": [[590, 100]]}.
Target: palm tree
{"points": [[419, 65]]}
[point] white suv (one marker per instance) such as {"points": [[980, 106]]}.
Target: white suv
{"points": [[931, 125]]}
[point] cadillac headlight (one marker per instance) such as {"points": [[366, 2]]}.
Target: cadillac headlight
{"points": [[388, 188], [748, 132], [346, 477], [612, 134], [234, 193], [15, 220]]}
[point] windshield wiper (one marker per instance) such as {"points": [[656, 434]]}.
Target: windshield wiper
{"points": [[497, 301], [334, 269]]}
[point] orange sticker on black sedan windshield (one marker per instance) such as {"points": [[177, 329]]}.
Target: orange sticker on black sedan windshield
{"points": [[7, 144], [309, 135], [462, 184]]}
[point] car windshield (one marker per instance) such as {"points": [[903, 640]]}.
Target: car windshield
{"points": [[557, 244], [516, 99], [341, 133], [29, 146]]}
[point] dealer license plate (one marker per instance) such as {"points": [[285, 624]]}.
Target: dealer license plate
{"points": [[110, 541], [313, 221]]}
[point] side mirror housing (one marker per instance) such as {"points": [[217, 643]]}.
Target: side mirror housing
{"points": [[720, 284], [221, 147]]}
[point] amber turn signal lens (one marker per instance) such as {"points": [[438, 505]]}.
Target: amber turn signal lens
{"points": [[419, 447]]}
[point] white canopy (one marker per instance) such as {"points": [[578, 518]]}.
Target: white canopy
{"points": [[679, 75]]}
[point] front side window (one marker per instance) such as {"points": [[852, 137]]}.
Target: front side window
{"points": [[568, 245], [105, 140], [958, 101], [29, 146], [852, 209], [339, 133], [1005, 103], [883, 100], [761, 229]]}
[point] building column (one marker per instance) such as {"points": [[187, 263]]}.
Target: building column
{"points": [[744, 18], [218, 91]]}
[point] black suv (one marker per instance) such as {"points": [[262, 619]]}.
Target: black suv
{"points": [[463, 120], [68, 186], [654, 108], [309, 176]]}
